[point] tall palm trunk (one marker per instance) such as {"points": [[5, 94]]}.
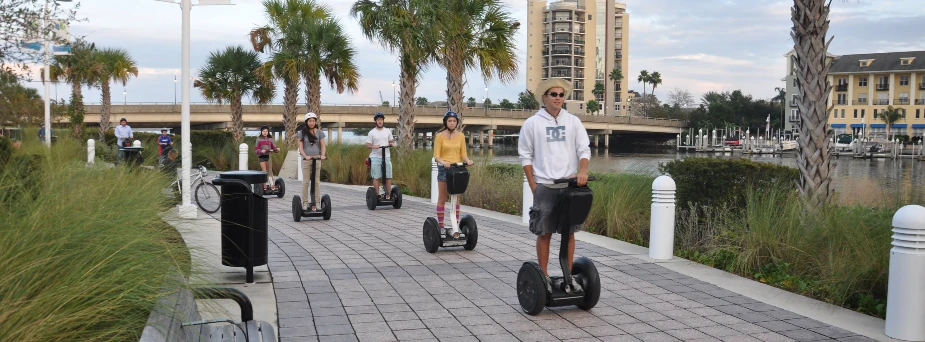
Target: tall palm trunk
{"points": [[237, 120], [107, 109], [312, 92], [290, 116], [810, 24], [406, 105], [454, 84], [77, 110]]}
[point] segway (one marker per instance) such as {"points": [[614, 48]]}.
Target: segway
{"points": [[374, 199], [324, 210], [279, 188], [466, 233], [583, 287]]}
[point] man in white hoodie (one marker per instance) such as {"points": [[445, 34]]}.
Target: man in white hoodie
{"points": [[553, 144]]}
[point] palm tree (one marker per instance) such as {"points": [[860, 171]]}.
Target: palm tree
{"points": [[283, 36], [810, 20], [403, 26], [781, 97], [890, 116], [616, 75], [476, 34], [77, 68], [655, 80], [598, 89], [644, 78], [229, 75], [328, 53], [115, 65]]}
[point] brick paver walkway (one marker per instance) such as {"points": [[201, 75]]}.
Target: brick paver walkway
{"points": [[364, 275]]}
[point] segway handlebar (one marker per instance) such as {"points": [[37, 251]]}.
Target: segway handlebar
{"points": [[463, 164], [566, 180]]}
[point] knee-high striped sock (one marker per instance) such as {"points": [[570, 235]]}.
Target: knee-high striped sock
{"points": [[457, 212], [440, 210]]}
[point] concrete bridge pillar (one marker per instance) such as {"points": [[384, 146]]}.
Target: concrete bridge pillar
{"points": [[481, 138], [471, 139], [329, 136], [340, 132], [491, 138], [606, 140]]}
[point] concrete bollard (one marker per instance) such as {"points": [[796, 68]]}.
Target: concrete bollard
{"points": [[242, 157], [527, 201], [434, 191], [905, 307], [661, 229], [91, 151]]}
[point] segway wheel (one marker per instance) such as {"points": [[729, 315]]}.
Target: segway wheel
{"points": [[325, 207], [280, 188], [396, 196], [371, 199], [590, 280], [258, 189], [431, 235], [296, 208], [467, 226], [531, 288]]}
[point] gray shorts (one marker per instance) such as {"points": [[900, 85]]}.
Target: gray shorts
{"points": [[543, 214]]}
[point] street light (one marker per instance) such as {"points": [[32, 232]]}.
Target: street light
{"points": [[47, 73], [486, 100], [174, 90], [187, 209], [123, 96], [393, 98]]}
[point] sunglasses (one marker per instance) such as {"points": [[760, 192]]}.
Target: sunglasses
{"points": [[554, 94]]}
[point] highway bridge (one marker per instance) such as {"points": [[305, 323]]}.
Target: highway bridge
{"points": [[339, 117]]}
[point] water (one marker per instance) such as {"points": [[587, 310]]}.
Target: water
{"points": [[645, 160]]}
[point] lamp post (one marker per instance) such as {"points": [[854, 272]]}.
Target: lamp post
{"points": [[174, 90], [486, 100], [124, 97], [393, 98], [46, 55], [187, 209]]}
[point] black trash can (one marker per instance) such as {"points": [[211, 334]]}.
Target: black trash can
{"points": [[244, 220], [132, 155]]}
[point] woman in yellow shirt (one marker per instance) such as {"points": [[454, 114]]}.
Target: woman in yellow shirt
{"points": [[449, 148]]}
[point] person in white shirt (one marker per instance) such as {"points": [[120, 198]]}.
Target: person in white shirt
{"points": [[553, 144], [377, 137], [123, 131]]}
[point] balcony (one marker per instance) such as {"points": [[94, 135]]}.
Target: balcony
{"points": [[619, 35], [579, 74], [920, 101], [921, 86], [861, 101], [562, 74], [561, 52], [579, 52], [842, 102], [794, 118], [619, 55], [883, 87], [841, 87], [901, 101], [578, 85], [564, 63], [562, 18], [880, 102], [580, 41], [562, 40], [793, 103], [545, 52]]}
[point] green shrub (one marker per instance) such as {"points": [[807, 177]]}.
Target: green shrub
{"points": [[85, 252], [6, 150], [719, 182]]}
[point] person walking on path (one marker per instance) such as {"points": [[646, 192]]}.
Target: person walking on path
{"points": [[264, 146], [553, 144], [311, 145], [449, 148]]}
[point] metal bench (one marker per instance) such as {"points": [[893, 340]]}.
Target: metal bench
{"points": [[176, 318]]}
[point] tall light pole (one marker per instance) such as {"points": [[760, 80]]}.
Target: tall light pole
{"points": [[124, 97], [47, 73], [484, 104], [187, 209], [174, 90], [393, 98]]}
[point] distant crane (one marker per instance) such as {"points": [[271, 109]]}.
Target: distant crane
{"points": [[380, 97]]}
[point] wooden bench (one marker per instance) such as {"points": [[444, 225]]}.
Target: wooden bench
{"points": [[176, 318]]}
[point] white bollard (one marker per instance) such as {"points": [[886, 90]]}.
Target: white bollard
{"points": [[661, 229], [91, 151], [136, 143], [434, 191], [242, 157], [905, 309], [299, 172], [527, 201]]}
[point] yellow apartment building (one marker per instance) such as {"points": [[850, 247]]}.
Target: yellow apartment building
{"points": [[864, 85], [580, 41]]}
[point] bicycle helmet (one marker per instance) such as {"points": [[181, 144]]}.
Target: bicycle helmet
{"points": [[378, 115], [310, 115], [450, 114]]}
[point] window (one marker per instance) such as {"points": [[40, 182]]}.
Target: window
{"points": [[875, 113], [795, 82], [917, 113], [842, 81], [855, 113], [794, 98], [862, 98], [842, 113], [904, 112], [862, 82], [903, 80], [884, 80], [862, 113], [842, 99], [906, 61], [866, 62]]}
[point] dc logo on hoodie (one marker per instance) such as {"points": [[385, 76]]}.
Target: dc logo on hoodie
{"points": [[555, 134]]}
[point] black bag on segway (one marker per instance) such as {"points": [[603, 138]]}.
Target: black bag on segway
{"points": [[457, 180], [574, 206]]}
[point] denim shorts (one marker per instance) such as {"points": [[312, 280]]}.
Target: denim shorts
{"points": [[375, 167], [441, 173], [544, 215]]}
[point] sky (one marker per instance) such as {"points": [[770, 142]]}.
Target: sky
{"points": [[696, 45]]}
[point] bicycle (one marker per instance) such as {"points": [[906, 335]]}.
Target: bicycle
{"points": [[206, 194]]}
